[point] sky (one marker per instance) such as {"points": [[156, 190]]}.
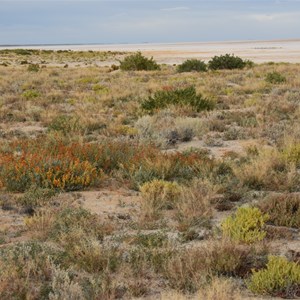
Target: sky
{"points": [[151, 21]]}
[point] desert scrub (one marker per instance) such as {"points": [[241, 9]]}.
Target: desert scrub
{"points": [[33, 68], [58, 173], [280, 278], [194, 207], [150, 256], [18, 51], [227, 61], [90, 255], [80, 233], [50, 166], [246, 225], [164, 129], [192, 65], [284, 210], [219, 289], [66, 124], [30, 94], [275, 78], [268, 170], [35, 270], [63, 285], [72, 219], [73, 166], [158, 195], [66, 225], [138, 62], [180, 167], [227, 258], [36, 196], [25, 269], [191, 268], [187, 271], [151, 240], [180, 97], [291, 153]]}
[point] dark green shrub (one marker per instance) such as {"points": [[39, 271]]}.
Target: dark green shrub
{"points": [[183, 97], [65, 124], [33, 68], [192, 65], [114, 67], [275, 78], [228, 62], [138, 62]]}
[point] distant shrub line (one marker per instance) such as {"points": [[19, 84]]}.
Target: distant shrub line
{"points": [[138, 62], [228, 62], [192, 65]]}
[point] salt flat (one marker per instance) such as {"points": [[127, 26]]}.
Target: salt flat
{"points": [[172, 53]]}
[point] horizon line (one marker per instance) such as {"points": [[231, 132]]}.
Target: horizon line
{"points": [[149, 43]]}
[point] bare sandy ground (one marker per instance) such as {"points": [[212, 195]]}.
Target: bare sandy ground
{"points": [[258, 51]]}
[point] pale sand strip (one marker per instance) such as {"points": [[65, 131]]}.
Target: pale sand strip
{"points": [[258, 51]]}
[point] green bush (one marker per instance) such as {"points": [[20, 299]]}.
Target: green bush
{"points": [[33, 68], [36, 196], [227, 61], [192, 65], [183, 97], [65, 124], [76, 219], [151, 240], [275, 78], [246, 225], [138, 62], [30, 94], [280, 278], [284, 210]]}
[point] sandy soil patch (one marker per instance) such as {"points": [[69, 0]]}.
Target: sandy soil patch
{"points": [[236, 146], [119, 203]]}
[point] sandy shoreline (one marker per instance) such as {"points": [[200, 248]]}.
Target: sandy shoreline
{"points": [[172, 53]]}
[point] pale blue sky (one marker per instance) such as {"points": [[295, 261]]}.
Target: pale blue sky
{"points": [[113, 21]]}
